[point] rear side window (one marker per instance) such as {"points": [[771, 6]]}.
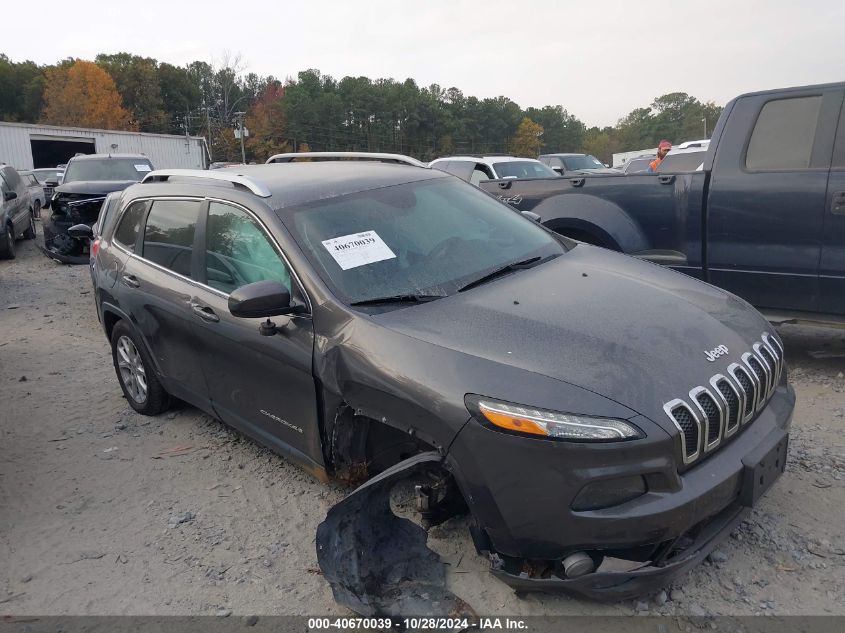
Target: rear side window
{"points": [[12, 178], [127, 231], [169, 234], [239, 252], [783, 135]]}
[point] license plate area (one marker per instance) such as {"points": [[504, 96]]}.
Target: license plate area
{"points": [[760, 472]]}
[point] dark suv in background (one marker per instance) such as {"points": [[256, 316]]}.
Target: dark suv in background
{"points": [[86, 182], [376, 321], [17, 217]]}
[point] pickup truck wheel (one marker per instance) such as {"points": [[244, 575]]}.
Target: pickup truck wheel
{"points": [[29, 233], [7, 249], [135, 373]]}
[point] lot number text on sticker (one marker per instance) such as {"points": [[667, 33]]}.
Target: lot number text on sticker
{"points": [[359, 249]]}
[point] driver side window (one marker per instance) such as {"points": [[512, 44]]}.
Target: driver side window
{"points": [[239, 252]]}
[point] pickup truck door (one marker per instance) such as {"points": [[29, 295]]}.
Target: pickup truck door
{"points": [[832, 269], [767, 197]]}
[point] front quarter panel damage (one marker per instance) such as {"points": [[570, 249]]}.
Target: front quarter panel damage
{"points": [[377, 563]]}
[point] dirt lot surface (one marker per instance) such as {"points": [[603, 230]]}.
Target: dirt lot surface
{"points": [[103, 511]]}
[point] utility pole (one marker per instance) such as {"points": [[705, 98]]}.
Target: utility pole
{"points": [[240, 116], [208, 122]]}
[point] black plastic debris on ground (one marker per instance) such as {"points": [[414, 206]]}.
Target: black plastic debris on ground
{"points": [[377, 563]]}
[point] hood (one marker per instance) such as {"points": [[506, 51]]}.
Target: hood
{"points": [[93, 187], [628, 330]]}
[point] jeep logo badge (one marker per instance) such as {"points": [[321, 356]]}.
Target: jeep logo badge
{"points": [[714, 353]]}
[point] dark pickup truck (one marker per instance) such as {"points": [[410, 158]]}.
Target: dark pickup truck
{"points": [[764, 218]]}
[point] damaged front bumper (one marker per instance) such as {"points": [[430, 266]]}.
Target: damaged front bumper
{"points": [[622, 585], [55, 255], [377, 563]]}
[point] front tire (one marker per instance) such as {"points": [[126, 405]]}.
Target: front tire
{"points": [[135, 373], [29, 233], [7, 249]]}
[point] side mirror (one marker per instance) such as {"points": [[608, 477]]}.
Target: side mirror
{"points": [[81, 231], [558, 169], [261, 299], [9, 195]]}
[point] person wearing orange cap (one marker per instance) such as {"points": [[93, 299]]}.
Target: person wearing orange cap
{"points": [[662, 149]]}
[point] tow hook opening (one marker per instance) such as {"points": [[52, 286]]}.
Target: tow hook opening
{"points": [[378, 563]]}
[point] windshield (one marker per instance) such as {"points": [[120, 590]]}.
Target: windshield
{"points": [[43, 175], [107, 169], [523, 169], [420, 238], [582, 162]]}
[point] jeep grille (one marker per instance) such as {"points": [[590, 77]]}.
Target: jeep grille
{"points": [[712, 413]]}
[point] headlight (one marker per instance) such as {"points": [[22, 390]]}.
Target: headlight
{"points": [[564, 426]]}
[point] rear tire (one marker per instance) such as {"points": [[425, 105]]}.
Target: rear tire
{"points": [[29, 233], [135, 373], [7, 249]]}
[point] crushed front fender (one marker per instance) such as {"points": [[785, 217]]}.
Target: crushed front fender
{"points": [[377, 563]]}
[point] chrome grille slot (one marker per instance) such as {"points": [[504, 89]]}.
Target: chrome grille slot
{"points": [[769, 357], [744, 379], [689, 425], [712, 415], [732, 404], [768, 372], [774, 347]]}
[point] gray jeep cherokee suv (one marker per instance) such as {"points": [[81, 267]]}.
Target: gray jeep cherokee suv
{"points": [[375, 322]]}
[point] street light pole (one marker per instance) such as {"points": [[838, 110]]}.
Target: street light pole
{"points": [[704, 120]]}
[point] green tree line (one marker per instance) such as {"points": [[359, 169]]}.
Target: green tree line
{"points": [[318, 112]]}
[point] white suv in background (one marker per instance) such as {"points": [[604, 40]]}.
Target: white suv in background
{"points": [[474, 169]]}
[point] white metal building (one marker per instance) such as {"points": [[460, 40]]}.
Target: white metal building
{"points": [[27, 146]]}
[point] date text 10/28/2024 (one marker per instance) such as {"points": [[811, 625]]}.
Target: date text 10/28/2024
{"points": [[418, 624]]}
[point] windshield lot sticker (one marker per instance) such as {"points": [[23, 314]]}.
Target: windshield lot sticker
{"points": [[359, 249], [142, 168]]}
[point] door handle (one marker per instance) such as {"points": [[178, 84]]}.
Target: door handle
{"points": [[837, 205], [205, 313], [665, 180], [577, 182], [131, 281]]}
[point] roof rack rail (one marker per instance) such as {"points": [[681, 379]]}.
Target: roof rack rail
{"points": [[373, 156], [162, 175]]}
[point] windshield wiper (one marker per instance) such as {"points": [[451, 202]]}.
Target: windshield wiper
{"points": [[504, 270], [409, 298]]}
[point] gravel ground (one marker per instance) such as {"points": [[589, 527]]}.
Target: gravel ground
{"points": [[103, 511]]}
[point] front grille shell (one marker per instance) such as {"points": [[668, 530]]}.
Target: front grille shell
{"points": [[716, 411]]}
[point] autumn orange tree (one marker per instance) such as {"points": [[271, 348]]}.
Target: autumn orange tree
{"points": [[526, 142], [266, 124], [84, 95]]}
